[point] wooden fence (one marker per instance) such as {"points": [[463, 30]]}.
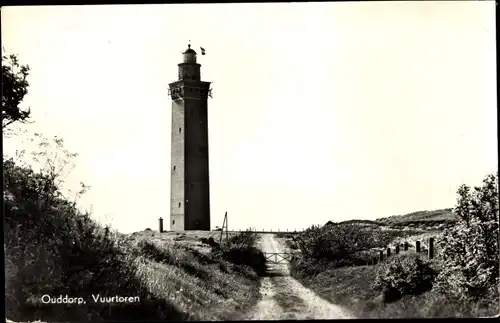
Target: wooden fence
{"points": [[419, 248]]}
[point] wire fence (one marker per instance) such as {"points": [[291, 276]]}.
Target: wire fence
{"points": [[256, 230]]}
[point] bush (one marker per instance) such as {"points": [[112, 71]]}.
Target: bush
{"points": [[335, 243], [345, 244], [244, 238], [52, 248], [240, 250], [403, 275], [470, 254]]}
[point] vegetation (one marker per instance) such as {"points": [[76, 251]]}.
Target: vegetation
{"points": [[403, 275], [53, 248], [341, 244], [435, 217], [240, 249], [14, 89], [462, 281], [470, 255]]}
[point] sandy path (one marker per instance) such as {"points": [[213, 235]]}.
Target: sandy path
{"points": [[285, 298]]}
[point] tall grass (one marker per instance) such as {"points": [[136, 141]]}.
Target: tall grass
{"points": [[52, 248]]}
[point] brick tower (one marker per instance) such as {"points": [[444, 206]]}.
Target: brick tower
{"points": [[190, 192]]}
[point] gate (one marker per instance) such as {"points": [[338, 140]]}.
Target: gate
{"points": [[279, 257]]}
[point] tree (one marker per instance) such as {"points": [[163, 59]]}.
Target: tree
{"points": [[470, 254], [14, 89]]}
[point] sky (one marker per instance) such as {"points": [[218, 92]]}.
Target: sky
{"points": [[320, 111]]}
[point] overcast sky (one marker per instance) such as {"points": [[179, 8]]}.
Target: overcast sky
{"points": [[321, 111]]}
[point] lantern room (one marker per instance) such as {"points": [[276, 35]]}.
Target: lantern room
{"points": [[189, 56]]}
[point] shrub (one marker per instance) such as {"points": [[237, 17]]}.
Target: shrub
{"points": [[335, 242], [345, 243], [240, 250], [53, 248], [403, 275], [470, 254], [244, 238]]}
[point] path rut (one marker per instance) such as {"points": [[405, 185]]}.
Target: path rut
{"points": [[283, 297]]}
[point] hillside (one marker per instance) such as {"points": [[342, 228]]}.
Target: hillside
{"points": [[375, 269], [441, 216], [61, 265], [424, 220]]}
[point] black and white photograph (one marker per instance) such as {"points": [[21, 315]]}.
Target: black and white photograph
{"points": [[250, 161]]}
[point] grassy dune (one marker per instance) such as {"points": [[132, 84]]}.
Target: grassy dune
{"points": [[349, 279], [53, 250], [181, 269], [175, 277], [58, 260], [426, 218]]}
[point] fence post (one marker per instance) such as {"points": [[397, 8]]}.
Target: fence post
{"points": [[417, 246], [381, 256], [397, 249], [406, 245], [431, 248], [161, 225], [388, 252]]}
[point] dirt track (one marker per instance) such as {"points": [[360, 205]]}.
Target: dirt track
{"points": [[285, 298]]}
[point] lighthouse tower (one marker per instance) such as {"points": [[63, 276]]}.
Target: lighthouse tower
{"points": [[190, 189]]}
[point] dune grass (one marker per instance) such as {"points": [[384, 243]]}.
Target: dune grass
{"points": [[52, 249], [435, 217], [172, 282], [71, 255]]}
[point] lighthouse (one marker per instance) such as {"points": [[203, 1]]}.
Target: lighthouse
{"points": [[190, 185]]}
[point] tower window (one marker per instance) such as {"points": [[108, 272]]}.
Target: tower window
{"points": [[173, 221], [180, 130], [174, 167], [179, 204]]}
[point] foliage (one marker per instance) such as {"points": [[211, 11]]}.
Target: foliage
{"points": [[470, 256], [244, 238], [343, 244], [240, 249], [334, 242], [14, 89], [462, 281], [53, 248], [351, 288], [403, 275]]}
